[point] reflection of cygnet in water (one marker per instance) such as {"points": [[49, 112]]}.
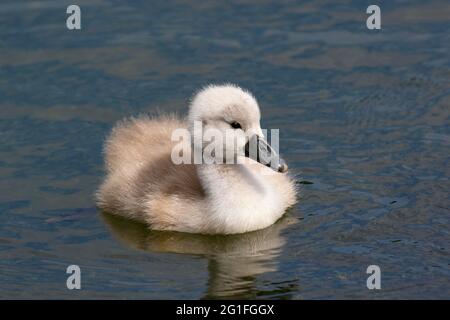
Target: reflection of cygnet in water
{"points": [[234, 260], [143, 182]]}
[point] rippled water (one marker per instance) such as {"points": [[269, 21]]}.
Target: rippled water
{"points": [[363, 117]]}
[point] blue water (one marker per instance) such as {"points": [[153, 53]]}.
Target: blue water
{"points": [[363, 117]]}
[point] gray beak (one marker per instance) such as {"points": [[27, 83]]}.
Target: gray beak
{"points": [[259, 150]]}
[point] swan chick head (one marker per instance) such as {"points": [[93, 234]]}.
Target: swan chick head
{"points": [[226, 111], [229, 116]]}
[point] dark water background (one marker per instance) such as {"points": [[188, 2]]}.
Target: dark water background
{"points": [[363, 116]]}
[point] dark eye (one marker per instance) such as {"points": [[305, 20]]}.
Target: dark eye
{"points": [[235, 125]]}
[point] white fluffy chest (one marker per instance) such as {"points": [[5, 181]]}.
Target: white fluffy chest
{"points": [[240, 200]]}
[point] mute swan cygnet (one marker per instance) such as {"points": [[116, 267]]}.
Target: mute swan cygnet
{"points": [[143, 182]]}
